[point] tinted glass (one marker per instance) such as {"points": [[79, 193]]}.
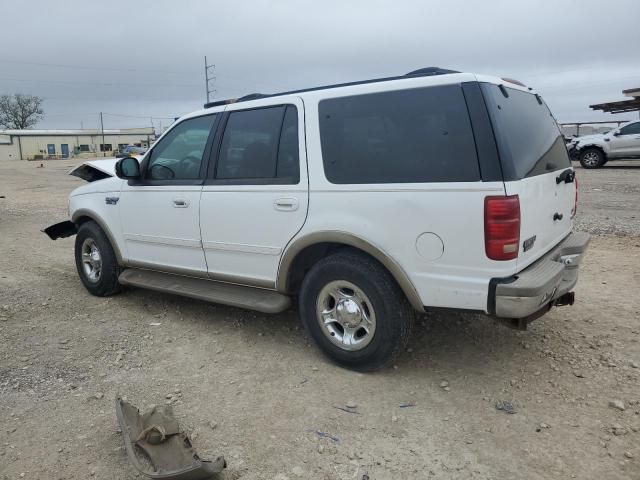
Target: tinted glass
{"points": [[631, 129], [529, 139], [178, 155], [288, 158], [249, 146], [405, 136]]}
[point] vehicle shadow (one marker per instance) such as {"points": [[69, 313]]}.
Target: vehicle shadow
{"points": [[444, 343]]}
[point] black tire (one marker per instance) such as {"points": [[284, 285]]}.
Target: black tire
{"points": [[106, 282], [592, 158], [394, 316]]}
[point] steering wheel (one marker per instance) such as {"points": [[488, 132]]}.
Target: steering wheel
{"points": [[161, 172], [187, 164]]}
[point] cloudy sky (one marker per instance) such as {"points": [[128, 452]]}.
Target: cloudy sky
{"points": [[142, 61]]}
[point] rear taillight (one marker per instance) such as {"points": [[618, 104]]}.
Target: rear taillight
{"points": [[575, 201], [502, 227]]}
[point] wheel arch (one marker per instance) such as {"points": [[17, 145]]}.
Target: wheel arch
{"points": [[305, 251], [592, 145], [83, 215]]}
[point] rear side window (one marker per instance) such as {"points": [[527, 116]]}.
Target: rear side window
{"points": [[404, 136], [260, 144], [529, 140]]}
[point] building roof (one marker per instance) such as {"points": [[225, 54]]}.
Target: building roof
{"points": [[632, 92], [90, 131], [621, 106]]}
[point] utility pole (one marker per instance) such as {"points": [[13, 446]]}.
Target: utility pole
{"points": [[208, 79], [104, 149]]}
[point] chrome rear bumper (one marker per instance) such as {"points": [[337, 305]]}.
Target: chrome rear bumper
{"points": [[536, 288]]}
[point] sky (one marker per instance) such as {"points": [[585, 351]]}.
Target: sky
{"points": [[142, 62]]}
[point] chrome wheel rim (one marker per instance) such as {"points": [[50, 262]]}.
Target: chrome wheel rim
{"points": [[345, 315], [91, 260], [591, 158]]}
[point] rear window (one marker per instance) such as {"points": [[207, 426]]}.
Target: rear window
{"points": [[528, 136], [404, 136]]}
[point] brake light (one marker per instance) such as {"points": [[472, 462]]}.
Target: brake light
{"points": [[502, 227], [575, 201]]}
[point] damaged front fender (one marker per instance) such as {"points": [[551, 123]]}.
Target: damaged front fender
{"points": [[61, 230]]}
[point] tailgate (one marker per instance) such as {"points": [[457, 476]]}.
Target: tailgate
{"points": [[545, 213]]}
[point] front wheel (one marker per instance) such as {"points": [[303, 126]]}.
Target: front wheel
{"points": [[355, 311], [592, 158], [96, 261]]}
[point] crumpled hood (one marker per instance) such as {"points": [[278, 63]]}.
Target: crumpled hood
{"points": [[589, 138], [94, 170]]}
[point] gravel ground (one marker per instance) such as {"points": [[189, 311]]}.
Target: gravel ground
{"points": [[253, 388], [610, 198]]}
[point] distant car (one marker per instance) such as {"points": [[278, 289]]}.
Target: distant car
{"points": [[130, 150], [593, 151]]}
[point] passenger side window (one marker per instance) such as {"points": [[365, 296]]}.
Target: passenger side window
{"points": [[178, 155], [631, 129], [261, 144]]}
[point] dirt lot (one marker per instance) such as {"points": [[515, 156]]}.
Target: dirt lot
{"points": [[252, 387]]}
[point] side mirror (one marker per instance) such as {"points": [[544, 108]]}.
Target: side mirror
{"points": [[616, 134], [128, 168]]}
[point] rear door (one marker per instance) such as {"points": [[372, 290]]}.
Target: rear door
{"points": [[536, 167], [255, 199]]}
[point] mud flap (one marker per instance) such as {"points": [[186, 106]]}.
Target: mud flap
{"points": [[61, 230], [158, 448]]}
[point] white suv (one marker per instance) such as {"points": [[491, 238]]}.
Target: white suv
{"points": [[367, 202]]}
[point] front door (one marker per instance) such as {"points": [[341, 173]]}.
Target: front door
{"points": [[626, 142], [64, 148], [160, 214], [255, 199]]}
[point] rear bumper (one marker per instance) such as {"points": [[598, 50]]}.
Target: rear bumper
{"points": [[535, 289]]}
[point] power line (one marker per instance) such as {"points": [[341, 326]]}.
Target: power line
{"points": [[91, 67], [138, 116], [110, 84]]}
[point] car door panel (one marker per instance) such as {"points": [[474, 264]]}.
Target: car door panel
{"points": [[247, 222], [160, 215], [626, 142]]}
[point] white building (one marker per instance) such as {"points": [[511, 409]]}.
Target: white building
{"points": [[44, 144]]}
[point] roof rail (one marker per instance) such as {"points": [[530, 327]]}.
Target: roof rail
{"points": [[422, 72], [430, 71]]}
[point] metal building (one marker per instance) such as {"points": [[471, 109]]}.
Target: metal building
{"points": [[46, 144]]}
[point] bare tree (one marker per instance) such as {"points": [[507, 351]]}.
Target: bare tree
{"points": [[20, 111]]}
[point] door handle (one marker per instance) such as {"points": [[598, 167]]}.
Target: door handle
{"points": [[286, 204], [180, 203]]}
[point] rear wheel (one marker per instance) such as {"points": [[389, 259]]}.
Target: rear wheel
{"points": [[592, 158], [355, 311], [96, 261]]}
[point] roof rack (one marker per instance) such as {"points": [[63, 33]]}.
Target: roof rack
{"points": [[422, 72]]}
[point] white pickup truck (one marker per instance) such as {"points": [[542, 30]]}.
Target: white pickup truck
{"points": [[594, 151], [366, 203]]}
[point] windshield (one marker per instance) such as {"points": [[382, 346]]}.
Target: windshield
{"points": [[528, 136]]}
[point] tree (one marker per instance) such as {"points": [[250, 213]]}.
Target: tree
{"points": [[20, 111]]}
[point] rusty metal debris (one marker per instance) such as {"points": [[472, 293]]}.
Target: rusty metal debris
{"points": [[157, 446]]}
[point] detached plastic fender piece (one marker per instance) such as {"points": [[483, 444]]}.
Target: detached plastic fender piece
{"points": [[158, 448], [61, 230]]}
